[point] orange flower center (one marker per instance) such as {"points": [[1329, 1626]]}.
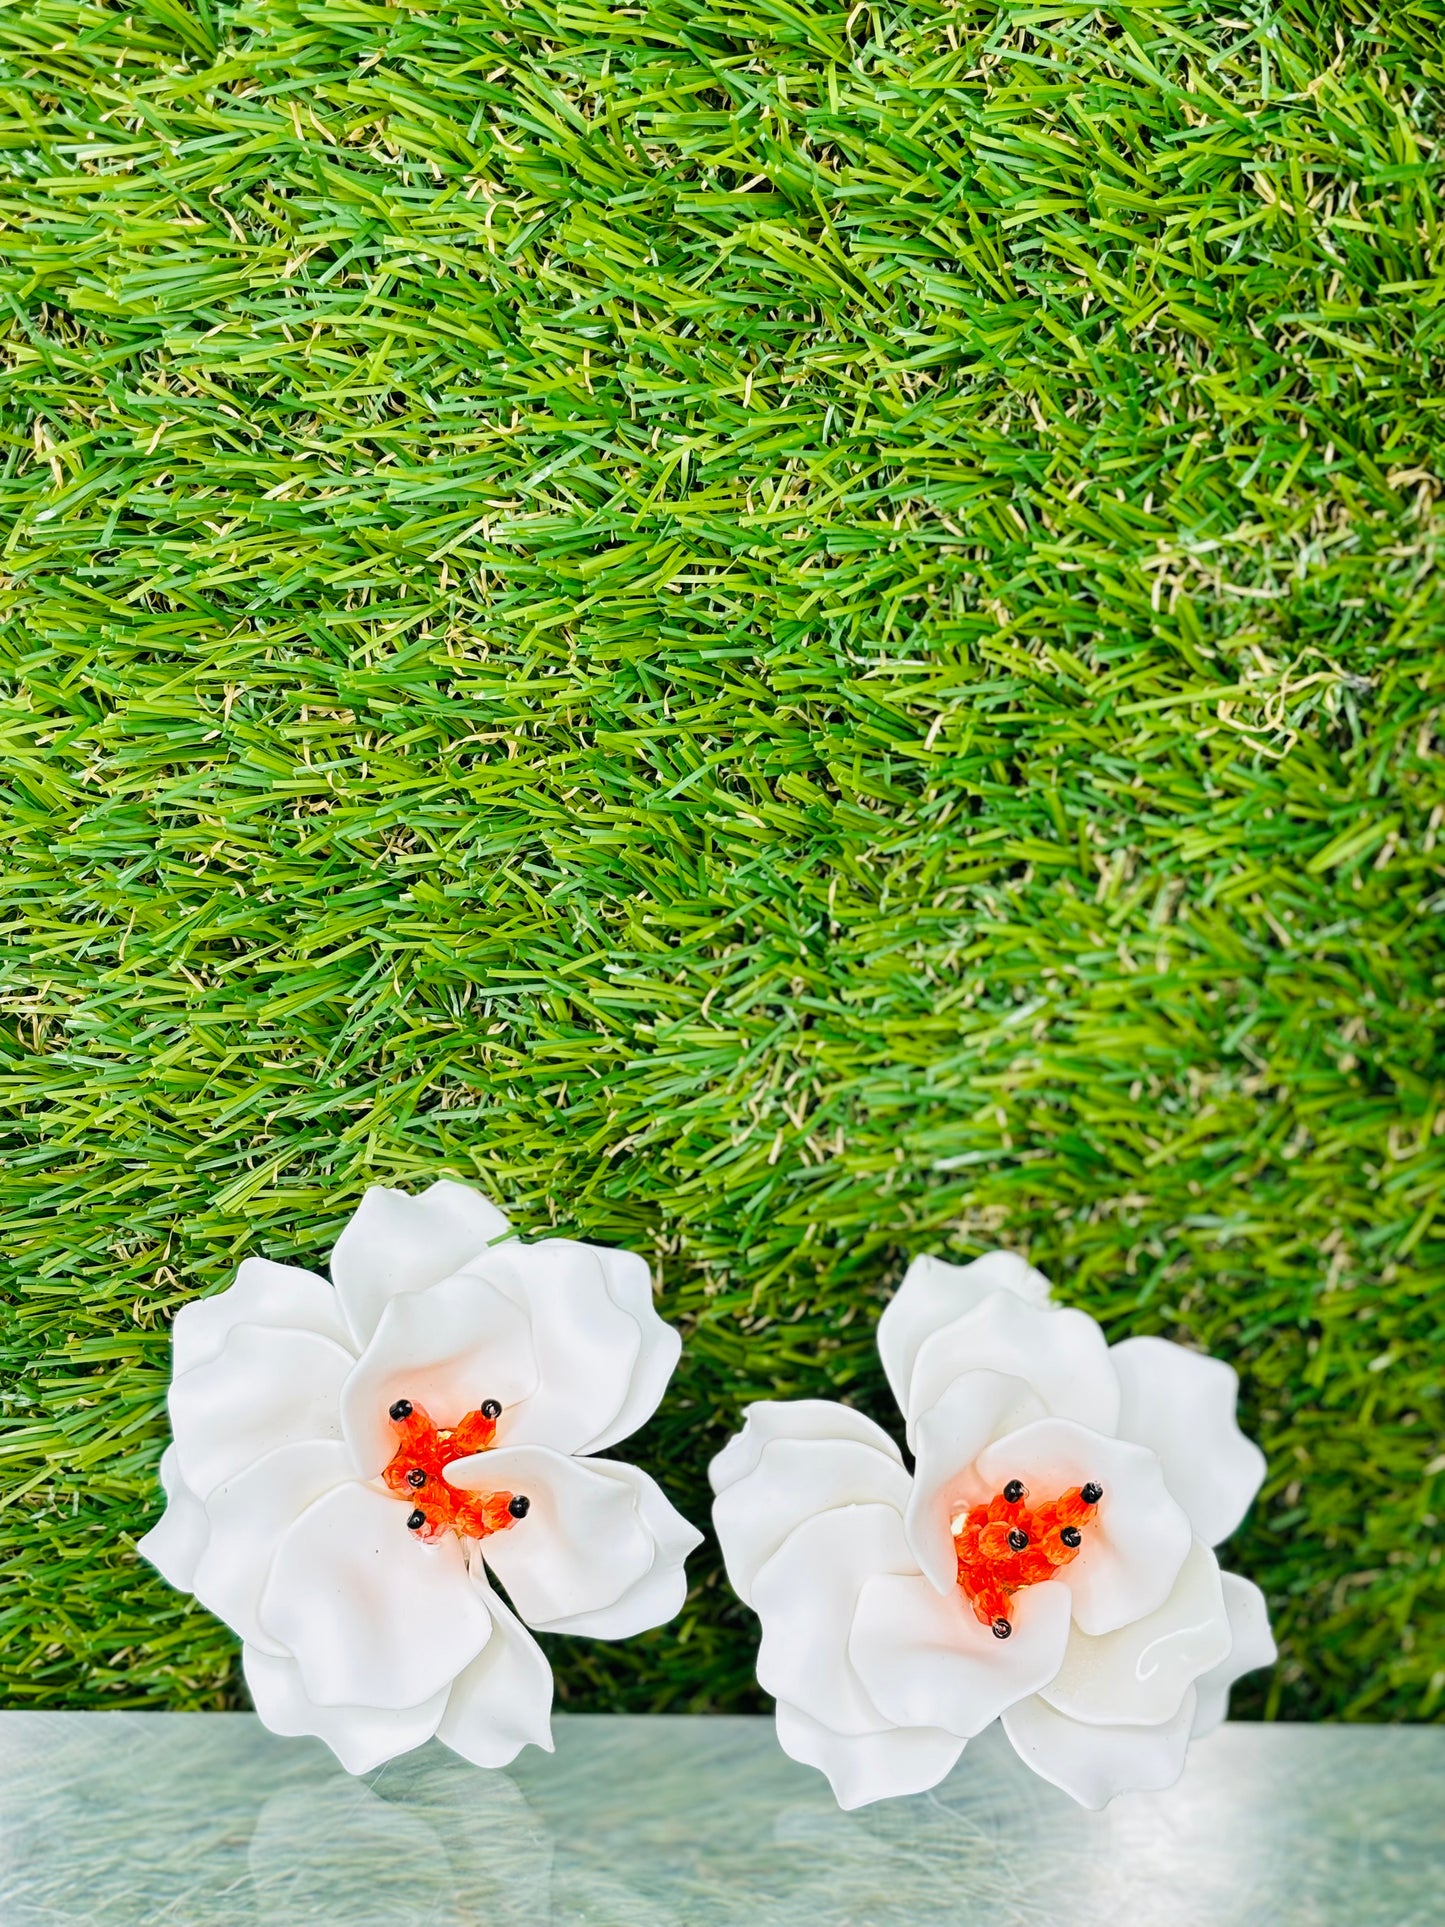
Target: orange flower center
{"points": [[1008, 1543], [417, 1473]]}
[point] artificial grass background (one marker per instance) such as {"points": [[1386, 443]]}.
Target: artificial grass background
{"points": [[788, 634]]}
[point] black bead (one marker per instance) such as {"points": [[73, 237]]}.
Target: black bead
{"points": [[491, 1408], [401, 1409], [1014, 1491], [520, 1506], [1072, 1537], [416, 1520], [1092, 1493], [1001, 1629], [1018, 1539], [416, 1477]]}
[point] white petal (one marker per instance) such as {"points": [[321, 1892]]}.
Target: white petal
{"points": [[262, 1293], [925, 1659], [265, 1387], [176, 1541], [1093, 1763], [807, 1595], [659, 1595], [1138, 1676], [799, 1418], [1251, 1646], [249, 1515], [1136, 1543], [396, 1243], [447, 1348], [584, 1544], [792, 1481], [975, 1410], [863, 1767], [933, 1294], [1060, 1354], [629, 1282], [503, 1700], [361, 1737], [587, 1347], [372, 1616], [1181, 1404]]}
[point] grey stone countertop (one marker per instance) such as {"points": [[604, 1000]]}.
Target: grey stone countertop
{"points": [[202, 1819]]}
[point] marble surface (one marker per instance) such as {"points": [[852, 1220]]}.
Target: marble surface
{"points": [[208, 1821]]}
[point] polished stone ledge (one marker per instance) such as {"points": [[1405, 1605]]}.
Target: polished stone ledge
{"points": [[206, 1820]]}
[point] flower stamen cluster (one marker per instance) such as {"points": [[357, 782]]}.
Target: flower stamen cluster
{"points": [[1006, 1544], [418, 1472]]}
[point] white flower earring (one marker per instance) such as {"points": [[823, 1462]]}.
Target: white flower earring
{"points": [[353, 1462], [1048, 1562]]}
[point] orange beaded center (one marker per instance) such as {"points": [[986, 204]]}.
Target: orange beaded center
{"points": [[417, 1474], [1008, 1543]]}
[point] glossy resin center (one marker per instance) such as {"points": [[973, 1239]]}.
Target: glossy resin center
{"points": [[1007, 1544], [417, 1473]]}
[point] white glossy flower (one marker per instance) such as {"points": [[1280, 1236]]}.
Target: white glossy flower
{"points": [[899, 1617], [353, 1463]]}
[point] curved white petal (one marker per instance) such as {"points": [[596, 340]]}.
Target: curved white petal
{"points": [[1181, 1404], [447, 1347], [1136, 1543], [262, 1293], [793, 1480], [395, 1243], [1138, 1676], [798, 1418], [863, 1767], [658, 1597], [629, 1283], [361, 1737], [1093, 1763], [587, 1347], [806, 1597], [248, 1516], [934, 1293], [924, 1659], [1060, 1354], [659, 1594], [176, 1541], [584, 1544], [503, 1700], [371, 1615], [975, 1410], [1251, 1646], [265, 1387]]}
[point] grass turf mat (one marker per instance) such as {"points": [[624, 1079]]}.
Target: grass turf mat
{"points": [[787, 634]]}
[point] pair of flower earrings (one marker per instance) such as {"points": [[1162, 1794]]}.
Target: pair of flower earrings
{"points": [[355, 1463]]}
